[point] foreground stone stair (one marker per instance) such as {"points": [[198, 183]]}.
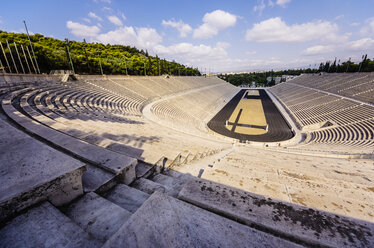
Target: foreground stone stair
{"points": [[148, 186], [97, 216], [46, 174], [172, 185], [45, 226], [127, 197], [163, 221], [97, 179]]}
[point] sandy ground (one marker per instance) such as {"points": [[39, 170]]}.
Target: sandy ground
{"points": [[252, 114]]}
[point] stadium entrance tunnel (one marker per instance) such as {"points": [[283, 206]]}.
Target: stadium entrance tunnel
{"points": [[251, 116]]}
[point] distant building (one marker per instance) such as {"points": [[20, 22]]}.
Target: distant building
{"points": [[276, 79], [281, 79], [287, 77]]}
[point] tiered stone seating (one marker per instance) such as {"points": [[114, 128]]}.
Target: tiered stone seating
{"points": [[77, 109], [358, 136], [310, 101], [192, 110], [352, 85], [101, 123]]}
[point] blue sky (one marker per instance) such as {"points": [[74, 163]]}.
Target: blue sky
{"points": [[222, 36]]}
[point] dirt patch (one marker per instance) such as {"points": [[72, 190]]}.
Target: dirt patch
{"points": [[297, 176], [371, 189], [221, 172], [348, 173], [298, 199]]}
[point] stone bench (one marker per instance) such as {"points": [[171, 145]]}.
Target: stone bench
{"points": [[32, 171]]}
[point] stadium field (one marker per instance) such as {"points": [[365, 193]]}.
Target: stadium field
{"points": [[251, 116]]}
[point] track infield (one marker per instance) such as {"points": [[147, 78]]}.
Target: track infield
{"points": [[251, 116]]}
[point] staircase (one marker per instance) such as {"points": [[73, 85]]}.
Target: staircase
{"points": [[94, 217]]}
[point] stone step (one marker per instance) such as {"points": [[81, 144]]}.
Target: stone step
{"points": [[171, 184], [306, 225], [44, 226], [164, 221], [97, 180], [31, 171], [144, 169], [127, 197], [184, 177], [148, 186], [97, 216]]}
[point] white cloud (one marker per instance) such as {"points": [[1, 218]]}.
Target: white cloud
{"points": [[183, 29], [355, 24], [318, 50], [81, 30], [107, 9], [123, 16], [190, 51], [261, 6], [345, 49], [368, 29], [103, 1], [213, 23], [21, 31], [94, 16], [250, 52], [203, 56], [339, 17], [142, 38], [187, 53], [364, 44], [115, 20], [86, 20], [276, 30], [223, 45], [282, 2]]}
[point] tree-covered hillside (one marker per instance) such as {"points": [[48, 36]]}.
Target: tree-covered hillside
{"points": [[260, 78], [51, 54]]}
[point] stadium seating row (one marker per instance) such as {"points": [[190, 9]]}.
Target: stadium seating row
{"points": [[335, 98], [359, 86]]}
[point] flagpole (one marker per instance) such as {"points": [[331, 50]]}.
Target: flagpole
{"points": [[11, 56], [19, 58], [2, 67], [24, 55], [6, 59], [32, 49], [32, 62], [71, 62]]}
